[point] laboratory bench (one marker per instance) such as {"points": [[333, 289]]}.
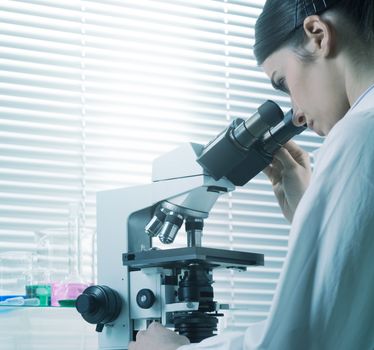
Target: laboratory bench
{"points": [[42, 328]]}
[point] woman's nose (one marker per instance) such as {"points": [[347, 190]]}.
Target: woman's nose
{"points": [[298, 119]]}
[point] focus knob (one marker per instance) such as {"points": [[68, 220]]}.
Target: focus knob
{"points": [[86, 303], [99, 305], [145, 298]]}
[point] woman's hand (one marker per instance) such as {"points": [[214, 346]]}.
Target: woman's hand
{"points": [[157, 337], [289, 174]]}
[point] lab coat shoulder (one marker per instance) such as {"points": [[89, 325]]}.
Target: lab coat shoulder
{"points": [[325, 289], [337, 213], [348, 147]]}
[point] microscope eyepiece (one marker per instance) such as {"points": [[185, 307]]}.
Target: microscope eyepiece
{"points": [[248, 132], [172, 224], [246, 147], [281, 133], [230, 148]]}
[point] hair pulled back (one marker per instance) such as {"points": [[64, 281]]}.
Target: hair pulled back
{"points": [[281, 22]]}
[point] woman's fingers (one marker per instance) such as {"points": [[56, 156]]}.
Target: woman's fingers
{"points": [[139, 335], [132, 345], [274, 171], [297, 153], [285, 158], [268, 171]]}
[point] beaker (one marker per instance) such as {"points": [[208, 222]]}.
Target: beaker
{"points": [[15, 272], [67, 259]]}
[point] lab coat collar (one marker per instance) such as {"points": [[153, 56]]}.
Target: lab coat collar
{"points": [[367, 96]]}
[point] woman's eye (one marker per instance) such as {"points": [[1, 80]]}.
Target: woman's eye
{"points": [[283, 86]]}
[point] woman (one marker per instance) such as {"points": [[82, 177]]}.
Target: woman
{"points": [[321, 53]]}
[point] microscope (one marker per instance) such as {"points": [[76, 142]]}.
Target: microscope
{"points": [[139, 283]]}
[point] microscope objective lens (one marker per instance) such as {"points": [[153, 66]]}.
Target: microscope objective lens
{"points": [[169, 230], [153, 228]]}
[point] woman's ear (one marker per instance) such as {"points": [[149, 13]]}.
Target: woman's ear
{"points": [[321, 36]]}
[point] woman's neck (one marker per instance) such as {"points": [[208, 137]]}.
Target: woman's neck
{"points": [[359, 77]]}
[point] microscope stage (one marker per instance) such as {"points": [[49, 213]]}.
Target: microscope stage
{"points": [[183, 257]]}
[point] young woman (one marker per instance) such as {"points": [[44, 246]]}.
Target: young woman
{"points": [[321, 53]]}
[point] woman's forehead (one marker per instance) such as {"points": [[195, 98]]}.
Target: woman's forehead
{"points": [[276, 61]]}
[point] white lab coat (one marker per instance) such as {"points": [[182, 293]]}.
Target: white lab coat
{"points": [[325, 296]]}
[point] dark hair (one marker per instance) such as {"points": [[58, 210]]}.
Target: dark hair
{"points": [[281, 22]]}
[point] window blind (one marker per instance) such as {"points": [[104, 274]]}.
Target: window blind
{"points": [[92, 91]]}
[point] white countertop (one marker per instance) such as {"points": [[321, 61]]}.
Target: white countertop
{"points": [[42, 328]]}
